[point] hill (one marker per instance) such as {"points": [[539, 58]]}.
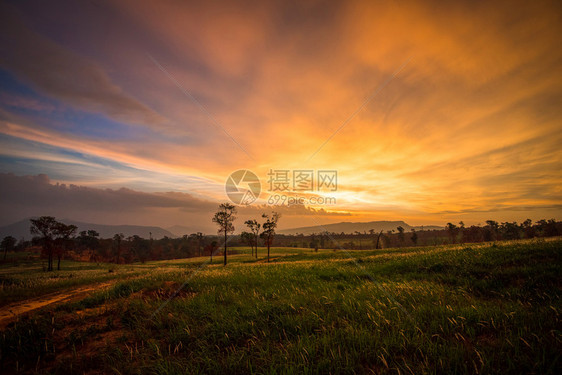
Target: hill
{"points": [[181, 230], [21, 229], [351, 227]]}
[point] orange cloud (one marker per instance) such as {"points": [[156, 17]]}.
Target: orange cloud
{"points": [[469, 128]]}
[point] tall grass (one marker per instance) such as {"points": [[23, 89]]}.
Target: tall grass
{"points": [[484, 308]]}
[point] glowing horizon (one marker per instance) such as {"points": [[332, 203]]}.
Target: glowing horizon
{"points": [[464, 121]]}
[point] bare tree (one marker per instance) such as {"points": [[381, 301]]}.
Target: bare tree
{"points": [[269, 229], [224, 218]]}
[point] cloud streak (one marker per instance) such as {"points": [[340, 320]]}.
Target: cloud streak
{"points": [[472, 126], [26, 196], [63, 74]]}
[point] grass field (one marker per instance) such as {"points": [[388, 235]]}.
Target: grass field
{"points": [[473, 308]]}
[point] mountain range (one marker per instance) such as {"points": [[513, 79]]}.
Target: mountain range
{"points": [[21, 229]]}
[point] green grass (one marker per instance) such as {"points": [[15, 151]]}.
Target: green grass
{"points": [[475, 308], [20, 282]]}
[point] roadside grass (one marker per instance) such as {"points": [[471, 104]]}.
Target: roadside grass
{"points": [[472, 308], [17, 284]]}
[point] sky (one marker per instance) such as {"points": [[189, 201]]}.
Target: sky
{"points": [[127, 112]]}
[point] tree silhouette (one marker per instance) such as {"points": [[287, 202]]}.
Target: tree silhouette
{"points": [[400, 233], [45, 228], [414, 237], [211, 248], [527, 226], [224, 218], [547, 228], [510, 231], [378, 240], [248, 239], [117, 238], [8, 244], [269, 229], [63, 235], [313, 242], [88, 240], [492, 227], [453, 231], [255, 231], [140, 248], [199, 241]]}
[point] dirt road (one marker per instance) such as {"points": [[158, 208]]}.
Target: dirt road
{"points": [[11, 312]]}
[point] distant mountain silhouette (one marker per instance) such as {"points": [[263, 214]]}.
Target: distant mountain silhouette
{"points": [[21, 229], [349, 227], [181, 230]]}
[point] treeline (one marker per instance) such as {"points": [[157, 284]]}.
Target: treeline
{"points": [[451, 234], [57, 241]]}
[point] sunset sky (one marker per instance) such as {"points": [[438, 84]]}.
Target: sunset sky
{"points": [[429, 111]]}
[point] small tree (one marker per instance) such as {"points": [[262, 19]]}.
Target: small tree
{"points": [[314, 243], [199, 241], [547, 228], [323, 236], [400, 233], [212, 247], [224, 218], [255, 230], [492, 230], [461, 230], [453, 231], [510, 231], [378, 240], [8, 244], [527, 226], [63, 239], [414, 237], [88, 240], [140, 248], [45, 228], [248, 239], [117, 238], [269, 229]]}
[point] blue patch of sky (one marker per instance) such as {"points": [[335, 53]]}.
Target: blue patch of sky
{"points": [[73, 121], [66, 165]]}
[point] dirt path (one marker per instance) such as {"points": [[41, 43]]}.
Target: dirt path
{"points": [[11, 312]]}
